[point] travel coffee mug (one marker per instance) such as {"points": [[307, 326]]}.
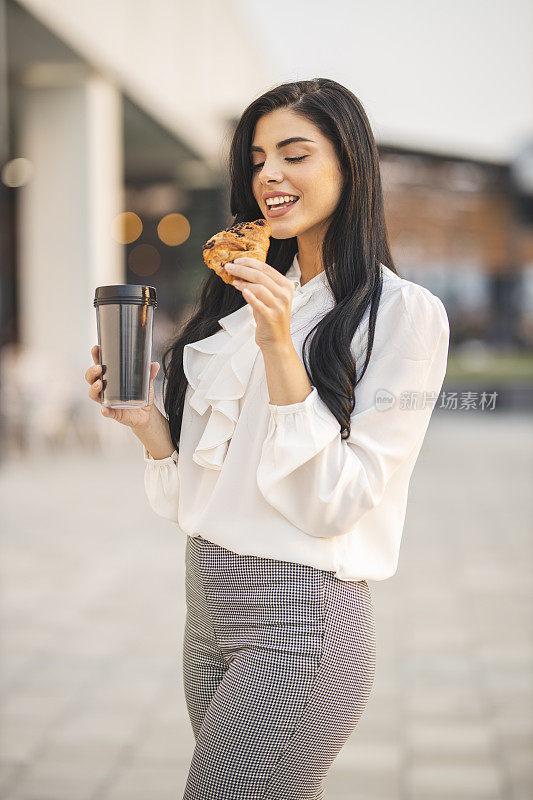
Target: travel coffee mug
{"points": [[124, 318]]}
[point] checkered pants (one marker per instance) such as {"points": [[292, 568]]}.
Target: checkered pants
{"points": [[278, 665]]}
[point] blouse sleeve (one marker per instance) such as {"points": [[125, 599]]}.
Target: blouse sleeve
{"points": [[161, 484], [324, 484]]}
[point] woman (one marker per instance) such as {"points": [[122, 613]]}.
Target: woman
{"points": [[296, 404]]}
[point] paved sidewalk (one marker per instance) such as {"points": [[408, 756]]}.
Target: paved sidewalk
{"points": [[92, 609]]}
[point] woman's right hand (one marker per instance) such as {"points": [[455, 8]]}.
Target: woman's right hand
{"points": [[134, 417]]}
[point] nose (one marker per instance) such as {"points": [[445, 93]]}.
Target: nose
{"points": [[268, 174]]}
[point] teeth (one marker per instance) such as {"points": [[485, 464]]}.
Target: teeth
{"points": [[276, 201]]}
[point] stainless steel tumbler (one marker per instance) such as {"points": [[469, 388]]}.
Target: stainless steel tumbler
{"points": [[124, 318]]}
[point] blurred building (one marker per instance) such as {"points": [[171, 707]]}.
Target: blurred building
{"points": [[115, 122], [463, 228], [109, 108]]}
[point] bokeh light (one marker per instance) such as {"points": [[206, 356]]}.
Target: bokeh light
{"points": [[126, 227], [173, 229], [17, 172], [144, 260]]}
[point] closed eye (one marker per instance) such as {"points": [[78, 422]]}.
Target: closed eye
{"points": [[297, 158]]}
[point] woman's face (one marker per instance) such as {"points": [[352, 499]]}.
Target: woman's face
{"points": [[307, 170]]}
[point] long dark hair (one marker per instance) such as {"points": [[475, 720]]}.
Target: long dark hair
{"points": [[355, 243]]}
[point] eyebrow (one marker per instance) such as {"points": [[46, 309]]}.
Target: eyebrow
{"points": [[283, 143]]}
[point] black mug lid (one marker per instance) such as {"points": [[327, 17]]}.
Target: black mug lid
{"points": [[125, 293]]}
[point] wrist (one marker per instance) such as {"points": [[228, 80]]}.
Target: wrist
{"points": [[148, 422], [286, 376], [155, 435], [279, 350]]}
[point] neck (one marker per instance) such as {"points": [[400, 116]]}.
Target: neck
{"points": [[309, 256]]}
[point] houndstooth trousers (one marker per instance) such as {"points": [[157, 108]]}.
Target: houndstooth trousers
{"points": [[278, 665]]}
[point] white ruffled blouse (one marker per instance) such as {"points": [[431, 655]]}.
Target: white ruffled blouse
{"points": [[278, 481]]}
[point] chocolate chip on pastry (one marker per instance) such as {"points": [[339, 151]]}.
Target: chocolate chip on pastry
{"points": [[251, 239]]}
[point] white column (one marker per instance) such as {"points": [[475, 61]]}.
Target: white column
{"points": [[70, 127]]}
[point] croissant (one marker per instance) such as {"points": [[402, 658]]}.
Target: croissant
{"points": [[250, 239]]}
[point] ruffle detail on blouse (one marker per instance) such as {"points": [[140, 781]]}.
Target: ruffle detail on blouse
{"points": [[218, 369]]}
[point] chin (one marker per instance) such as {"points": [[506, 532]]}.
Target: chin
{"points": [[283, 235], [280, 231]]}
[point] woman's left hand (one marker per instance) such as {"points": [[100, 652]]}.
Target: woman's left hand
{"points": [[269, 293]]}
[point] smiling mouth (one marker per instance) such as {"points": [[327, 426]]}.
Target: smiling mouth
{"points": [[277, 209]]}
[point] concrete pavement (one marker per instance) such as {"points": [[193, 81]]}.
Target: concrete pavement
{"points": [[92, 615]]}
